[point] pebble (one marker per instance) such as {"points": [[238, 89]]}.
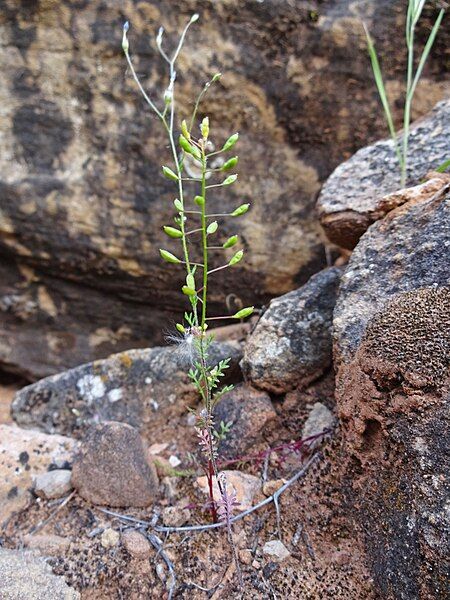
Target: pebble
{"points": [[175, 516], [272, 486], [53, 484], [136, 544], [109, 538], [276, 550]]}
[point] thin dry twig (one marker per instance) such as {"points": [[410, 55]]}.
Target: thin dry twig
{"points": [[42, 524]]}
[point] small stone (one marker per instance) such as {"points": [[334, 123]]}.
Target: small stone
{"points": [[175, 516], [136, 544], [276, 550], [174, 461], [245, 556], [272, 486], [47, 544], [112, 469], [157, 448], [53, 484], [256, 564], [244, 485], [319, 419], [109, 538]]}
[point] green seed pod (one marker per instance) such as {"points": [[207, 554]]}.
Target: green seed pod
{"points": [[169, 174], [236, 258], [172, 232], [169, 257], [185, 144], [229, 180], [190, 281], [204, 128], [188, 291], [231, 241], [212, 227], [243, 313], [185, 130], [178, 205], [216, 77], [232, 162], [199, 201], [230, 142], [240, 210], [180, 328]]}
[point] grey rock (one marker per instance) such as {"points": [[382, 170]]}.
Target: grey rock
{"points": [[111, 468], [82, 196], [139, 387], [276, 550], [352, 197], [319, 419], [407, 250], [53, 484], [291, 344], [25, 576]]}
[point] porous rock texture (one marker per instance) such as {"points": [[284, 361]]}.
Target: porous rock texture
{"points": [[111, 468], [25, 576], [360, 190], [392, 347], [291, 344], [81, 192], [139, 387], [25, 454]]}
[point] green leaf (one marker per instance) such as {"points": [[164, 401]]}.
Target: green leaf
{"points": [[240, 210], [169, 257], [169, 174], [231, 241], [212, 227], [188, 291], [180, 328], [199, 201], [236, 258], [232, 162], [178, 205], [244, 312], [229, 180], [190, 281], [172, 232], [230, 142]]}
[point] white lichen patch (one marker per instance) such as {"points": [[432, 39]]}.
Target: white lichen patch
{"points": [[91, 387], [115, 395]]}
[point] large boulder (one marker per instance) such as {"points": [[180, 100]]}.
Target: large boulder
{"points": [[360, 191], [144, 388], [82, 196], [392, 348], [291, 345]]}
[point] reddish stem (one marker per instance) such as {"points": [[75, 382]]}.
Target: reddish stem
{"points": [[210, 475]]}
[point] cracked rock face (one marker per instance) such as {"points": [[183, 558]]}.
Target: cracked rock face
{"points": [[81, 193], [392, 350], [353, 196], [291, 344]]}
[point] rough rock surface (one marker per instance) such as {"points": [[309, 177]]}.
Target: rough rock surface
{"points": [[392, 343], [25, 576], [353, 197], [112, 469], [139, 387], [291, 345], [250, 413], [23, 455], [407, 250], [82, 197]]}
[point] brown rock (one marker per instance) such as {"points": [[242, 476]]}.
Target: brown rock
{"points": [[136, 544], [244, 485], [47, 544], [111, 468]]}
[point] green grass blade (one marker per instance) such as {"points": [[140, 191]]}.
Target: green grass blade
{"points": [[443, 166]]}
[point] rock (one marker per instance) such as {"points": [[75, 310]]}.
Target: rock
{"points": [[136, 544], [6, 395], [392, 348], [109, 538], [245, 487], [175, 516], [53, 484], [319, 419], [25, 576], [406, 250], [245, 556], [139, 387], [269, 488], [291, 345], [83, 199], [111, 468], [250, 413], [47, 544], [276, 550], [23, 455], [363, 189]]}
